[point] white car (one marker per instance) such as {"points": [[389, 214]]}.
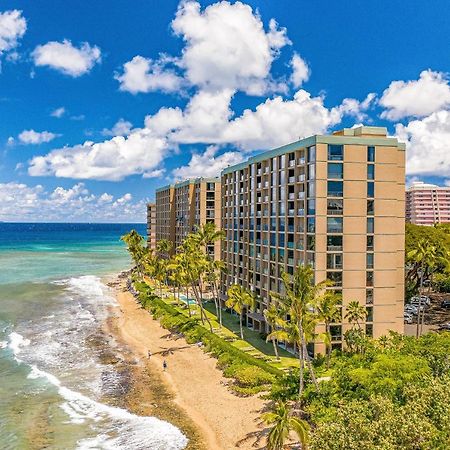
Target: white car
{"points": [[422, 301], [411, 309], [407, 318]]}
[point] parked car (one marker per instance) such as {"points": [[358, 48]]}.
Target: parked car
{"points": [[445, 303], [444, 326], [422, 300], [411, 309], [407, 318]]}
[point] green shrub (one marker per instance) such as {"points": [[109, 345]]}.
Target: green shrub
{"points": [[441, 282], [252, 376]]}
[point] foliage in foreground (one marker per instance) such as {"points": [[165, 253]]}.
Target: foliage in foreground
{"points": [[394, 396]]}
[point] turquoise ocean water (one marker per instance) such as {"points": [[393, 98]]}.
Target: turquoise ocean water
{"points": [[53, 381]]}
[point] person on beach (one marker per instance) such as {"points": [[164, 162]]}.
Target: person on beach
{"points": [[149, 354], [164, 365]]}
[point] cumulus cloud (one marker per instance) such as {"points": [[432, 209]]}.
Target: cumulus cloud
{"points": [[226, 46], [20, 202], [418, 98], [300, 71], [66, 58], [58, 112], [427, 144], [12, 28], [207, 164], [121, 128], [114, 159], [36, 137], [145, 75]]}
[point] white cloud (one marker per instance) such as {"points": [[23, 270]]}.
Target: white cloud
{"points": [[145, 75], [226, 46], [20, 202], [427, 144], [121, 128], [66, 58], [208, 164], [114, 159], [36, 137], [58, 112], [418, 98], [12, 27], [300, 71]]}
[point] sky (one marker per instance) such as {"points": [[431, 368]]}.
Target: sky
{"points": [[102, 103]]}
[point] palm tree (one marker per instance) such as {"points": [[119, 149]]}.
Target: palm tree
{"points": [[283, 422], [273, 319], [240, 298], [328, 311], [297, 305], [355, 313], [163, 247], [135, 247]]}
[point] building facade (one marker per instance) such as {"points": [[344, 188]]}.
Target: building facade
{"points": [[184, 206], [335, 202], [427, 204], [151, 225]]}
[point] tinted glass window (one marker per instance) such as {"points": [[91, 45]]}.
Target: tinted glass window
{"points": [[370, 189], [371, 172], [335, 152], [371, 154], [335, 189], [335, 170]]}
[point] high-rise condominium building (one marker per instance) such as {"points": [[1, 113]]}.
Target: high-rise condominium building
{"points": [[335, 202], [427, 204], [184, 206], [151, 225]]}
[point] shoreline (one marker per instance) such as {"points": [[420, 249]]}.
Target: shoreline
{"points": [[192, 394]]}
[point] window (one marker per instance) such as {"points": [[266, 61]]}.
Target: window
{"points": [[370, 207], [369, 330], [334, 243], [370, 243], [369, 313], [369, 296], [312, 171], [370, 225], [369, 260], [334, 261], [312, 153], [311, 207], [335, 152], [336, 332], [371, 172], [311, 225], [370, 189], [334, 224], [335, 277], [310, 242], [335, 189], [335, 207], [371, 154], [335, 170], [369, 279], [311, 189]]}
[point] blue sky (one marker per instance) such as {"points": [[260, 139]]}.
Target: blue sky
{"points": [[100, 105]]}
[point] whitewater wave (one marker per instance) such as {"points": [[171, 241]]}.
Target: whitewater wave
{"points": [[115, 428]]}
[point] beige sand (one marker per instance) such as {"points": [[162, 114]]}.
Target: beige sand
{"points": [[199, 387]]}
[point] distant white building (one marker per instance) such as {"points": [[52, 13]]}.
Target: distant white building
{"points": [[427, 204]]}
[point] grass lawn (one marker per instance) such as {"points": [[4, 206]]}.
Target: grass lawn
{"points": [[252, 343]]}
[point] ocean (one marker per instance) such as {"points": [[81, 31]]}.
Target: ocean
{"points": [[56, 390]]}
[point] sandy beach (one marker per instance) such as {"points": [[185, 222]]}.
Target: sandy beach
{"points": [[211, 415]]}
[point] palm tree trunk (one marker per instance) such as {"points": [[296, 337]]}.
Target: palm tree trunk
{"points": [[420, 301], [301, 383], [187, 300], [241, 316], [308, 363], [327, 330], [275, 349]]}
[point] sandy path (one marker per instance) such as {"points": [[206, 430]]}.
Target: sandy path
{"points": [[221, 417]]}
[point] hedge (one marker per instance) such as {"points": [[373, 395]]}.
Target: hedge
{"points": [[250, 374]]}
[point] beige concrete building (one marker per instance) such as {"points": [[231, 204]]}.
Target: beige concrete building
{"points": [[184, 206], [335, 202], [151, 225], [427, 204]]}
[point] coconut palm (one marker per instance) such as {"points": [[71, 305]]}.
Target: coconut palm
{"points": [[240, 298], [136, 248], [328, 310], [298, 303], [273, 319], [356, 313], [283, 422]]}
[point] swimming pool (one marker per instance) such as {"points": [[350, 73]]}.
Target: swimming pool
{"points": [[184, 299]]}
